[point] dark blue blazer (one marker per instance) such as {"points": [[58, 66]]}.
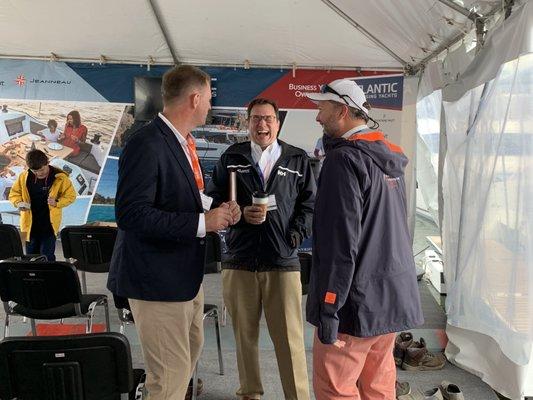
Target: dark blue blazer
{"points": [[157, 256]]}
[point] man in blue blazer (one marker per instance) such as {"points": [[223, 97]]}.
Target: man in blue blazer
{"points": [[163, 216]]}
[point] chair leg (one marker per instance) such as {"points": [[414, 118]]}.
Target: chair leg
{"points": [[83, 282], [6, 326], [194, 382], [90, 314], [107, 322], [33, 327], [217, 332], [224, 317]]}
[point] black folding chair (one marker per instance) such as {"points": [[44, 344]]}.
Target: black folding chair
{"points": [[80, 367], [89, 248], [46, 290], [11, 245]]}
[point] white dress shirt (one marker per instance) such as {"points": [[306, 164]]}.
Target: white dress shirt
{"points": [[183, 142], [266, 158]]}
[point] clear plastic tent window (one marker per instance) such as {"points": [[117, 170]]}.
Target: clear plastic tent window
{"points": [[488, 211]]}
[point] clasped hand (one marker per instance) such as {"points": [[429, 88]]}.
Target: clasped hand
{"points": [[223, 216]]}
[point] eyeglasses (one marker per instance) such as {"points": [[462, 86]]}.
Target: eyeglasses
{"points": [[257, 118], [329, 89]]}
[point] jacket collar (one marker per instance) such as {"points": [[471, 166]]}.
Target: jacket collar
{"points": [[245, 150], [179, 154]]}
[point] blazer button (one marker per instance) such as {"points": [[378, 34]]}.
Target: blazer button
{"points": [[202, 241]]}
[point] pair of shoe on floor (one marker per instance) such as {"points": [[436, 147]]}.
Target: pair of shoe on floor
{"points": [[414, 356], [446, 391]]}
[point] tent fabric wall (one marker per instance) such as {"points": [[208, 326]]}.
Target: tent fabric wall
{"points": [[481, 355], [487, 190], [379, 34], [427, 151], [408, 144]]}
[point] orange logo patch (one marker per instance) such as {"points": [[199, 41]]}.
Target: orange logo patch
{"points": [[330, 298]]}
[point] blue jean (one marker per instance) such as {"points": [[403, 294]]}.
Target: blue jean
{"points": [[45, 245]]}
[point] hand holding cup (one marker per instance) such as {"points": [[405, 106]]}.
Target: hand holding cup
{"points": [[256, 213]]}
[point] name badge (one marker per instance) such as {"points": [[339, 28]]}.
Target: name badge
{"points": [[206, 202], [272, 205]]}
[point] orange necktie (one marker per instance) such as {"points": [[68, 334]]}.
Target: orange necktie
{"points": [[195, 163]]}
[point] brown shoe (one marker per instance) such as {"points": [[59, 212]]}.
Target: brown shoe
{"points": [[199, 389], [418, 358], [402, 342]]}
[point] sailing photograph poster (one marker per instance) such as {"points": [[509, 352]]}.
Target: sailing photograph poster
{"points": [[75, 136]]}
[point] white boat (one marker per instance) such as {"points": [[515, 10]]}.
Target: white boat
{"points": [[209, 150], [216, 134]]}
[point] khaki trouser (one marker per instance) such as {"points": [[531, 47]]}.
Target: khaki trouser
{"points": [[279, 294], [171, 335]]}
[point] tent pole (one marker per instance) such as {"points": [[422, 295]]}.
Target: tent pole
{"points": [[449, 43], [365, 32], [164, 32], [471, 15]]}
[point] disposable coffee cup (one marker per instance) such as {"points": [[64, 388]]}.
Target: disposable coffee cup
{"points": [[260, 199]]}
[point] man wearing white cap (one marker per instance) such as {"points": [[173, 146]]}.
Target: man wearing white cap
{"points": [[363, 284]]}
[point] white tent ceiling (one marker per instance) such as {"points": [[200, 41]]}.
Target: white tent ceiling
{"points": [[306, 33]]}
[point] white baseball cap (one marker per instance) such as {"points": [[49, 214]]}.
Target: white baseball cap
{"points": [[344, 91]]}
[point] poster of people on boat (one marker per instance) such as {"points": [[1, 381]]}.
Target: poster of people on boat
{"points": [[76, 137]]}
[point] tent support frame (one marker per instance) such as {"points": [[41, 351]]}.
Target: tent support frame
{"points": [[369, 35], [164, 31], [480, 32]]}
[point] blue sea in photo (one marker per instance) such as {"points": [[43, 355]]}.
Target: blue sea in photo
{"points": [[101, 212]]}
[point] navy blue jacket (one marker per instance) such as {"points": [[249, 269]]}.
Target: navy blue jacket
{"points": [[157, 256], [363, 280], [267, 247]]}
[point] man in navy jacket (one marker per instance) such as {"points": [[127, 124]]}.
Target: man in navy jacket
{"points": [[363, 284], [261, 271], [163, 216]]}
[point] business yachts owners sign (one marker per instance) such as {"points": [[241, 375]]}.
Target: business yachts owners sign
{"points": [[383, 89]]}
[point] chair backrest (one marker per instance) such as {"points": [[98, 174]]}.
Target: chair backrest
{"points": [[81, 367], [213, 253], [10, 242], [91, 246], [39, 285], [306, 262]]}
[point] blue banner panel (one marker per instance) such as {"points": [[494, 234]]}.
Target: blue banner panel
{"points": [[235, 86]]}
